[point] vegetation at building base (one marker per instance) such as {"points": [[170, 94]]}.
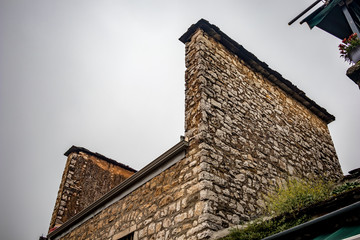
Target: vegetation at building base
{"points": [[259, 230], [285, 203], [345, 187], [296, 195]]}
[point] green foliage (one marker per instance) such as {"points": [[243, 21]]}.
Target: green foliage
{"points": [[345, 187], [297, 194], [348, 45], [293, 196], [260, 230]]}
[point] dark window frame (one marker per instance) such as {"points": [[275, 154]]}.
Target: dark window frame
{"points": [[128, 237]]}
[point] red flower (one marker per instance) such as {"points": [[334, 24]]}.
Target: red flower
{"points": [[348, 45]]}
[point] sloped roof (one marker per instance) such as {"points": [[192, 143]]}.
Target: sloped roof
{"points": [[258, 66]]}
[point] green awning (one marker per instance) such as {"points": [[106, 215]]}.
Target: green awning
{"points": [[331, 18], [342, 233]]}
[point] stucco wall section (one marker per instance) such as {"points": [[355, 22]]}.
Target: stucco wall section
{"points": [[252, 135]]}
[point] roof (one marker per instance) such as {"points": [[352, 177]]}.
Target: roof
{"points": [[258, 66], [98, 155]]}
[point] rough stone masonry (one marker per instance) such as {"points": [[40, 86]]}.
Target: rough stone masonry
{"points": [[251, 133], [247, 130], [87, 176]]}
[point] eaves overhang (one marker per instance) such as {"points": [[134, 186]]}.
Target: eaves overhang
{"points": [[258, 66]]}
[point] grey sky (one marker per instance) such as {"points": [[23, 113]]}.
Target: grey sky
{"points": [[109, 76]]}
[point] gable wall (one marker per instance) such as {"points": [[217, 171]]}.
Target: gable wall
{"points": [[85, 179], [253, 136]]}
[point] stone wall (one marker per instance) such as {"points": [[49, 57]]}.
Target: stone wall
{"points": [[251, 134], [166, 207], [87, 176], [245, 136]]}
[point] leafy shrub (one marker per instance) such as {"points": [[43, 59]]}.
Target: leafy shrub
{"points": [[259, 230], [345, 187], [297, 194], [293, 196]]}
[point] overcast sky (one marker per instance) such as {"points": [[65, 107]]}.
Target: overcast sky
{"points": [[109, 76]]}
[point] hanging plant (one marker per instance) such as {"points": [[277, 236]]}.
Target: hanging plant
{"points": [[350, 49]]}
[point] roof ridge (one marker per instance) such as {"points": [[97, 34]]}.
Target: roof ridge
{"points": [[259, 66], [77, 149]]}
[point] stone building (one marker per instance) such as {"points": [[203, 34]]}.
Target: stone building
{"points": [[87, 176], [247, 130]]}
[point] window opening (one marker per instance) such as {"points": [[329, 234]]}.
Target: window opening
{"points": [[128, 237]]}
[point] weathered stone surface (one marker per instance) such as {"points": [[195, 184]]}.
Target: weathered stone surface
{"points": [[252, 136], [160, 209], [85, 179]]}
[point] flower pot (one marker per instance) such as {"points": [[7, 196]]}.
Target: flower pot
{"points": [[354, 55]]}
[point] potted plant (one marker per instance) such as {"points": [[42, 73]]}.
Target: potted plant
{"points": [[350, 49]]}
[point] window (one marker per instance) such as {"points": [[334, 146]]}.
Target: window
{"points": [[126, 234], [128, 237]]}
